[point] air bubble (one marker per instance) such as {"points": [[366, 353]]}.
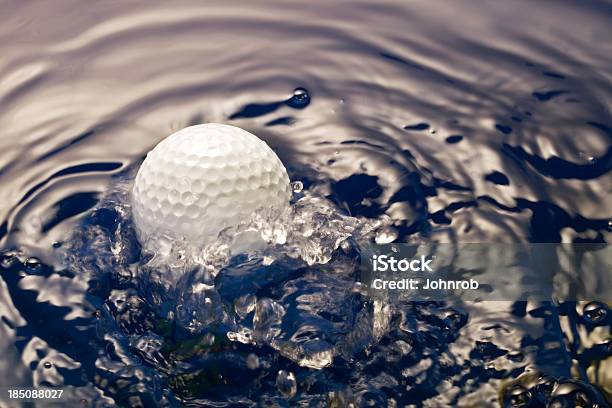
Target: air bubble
{"points": [[517, 396], [286, 384], [8, 259], [300, 99], [297, 186], [33, 263], [595, 312], [359, 287]]}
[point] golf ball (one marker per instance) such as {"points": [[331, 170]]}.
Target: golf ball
{"points": [[203, 179]]}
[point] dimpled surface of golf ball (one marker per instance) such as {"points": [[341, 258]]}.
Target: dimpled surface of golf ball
{"points": [[204, 178]]}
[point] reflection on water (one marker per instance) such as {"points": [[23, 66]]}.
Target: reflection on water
{"points": [[452, 121]]}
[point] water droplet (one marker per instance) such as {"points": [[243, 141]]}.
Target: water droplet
{"points": [[297, 186], [300, 99], [516, 396], [33, 263], [8, 259], [345, 245], [245, 305], [359, 287], [267, 319], [386, 236], [571, 393], [243, 336], [455, 320], [286, 384], [148, 344], [317, 355], [47, 365], [595, 312]]}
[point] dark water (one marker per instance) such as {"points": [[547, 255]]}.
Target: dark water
{"points": [[422, 121]]}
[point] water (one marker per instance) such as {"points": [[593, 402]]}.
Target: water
{"points": [[452, 121]]}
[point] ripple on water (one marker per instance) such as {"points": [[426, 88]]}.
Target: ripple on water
{"points": [[402, 122]]}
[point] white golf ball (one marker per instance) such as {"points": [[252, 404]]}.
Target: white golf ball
{"points": [[205, 178]]}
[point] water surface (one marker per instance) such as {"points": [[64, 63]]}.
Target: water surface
{"points": [[446, 121]]}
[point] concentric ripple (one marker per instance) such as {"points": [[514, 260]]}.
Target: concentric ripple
{"points": [[424, 121]]}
